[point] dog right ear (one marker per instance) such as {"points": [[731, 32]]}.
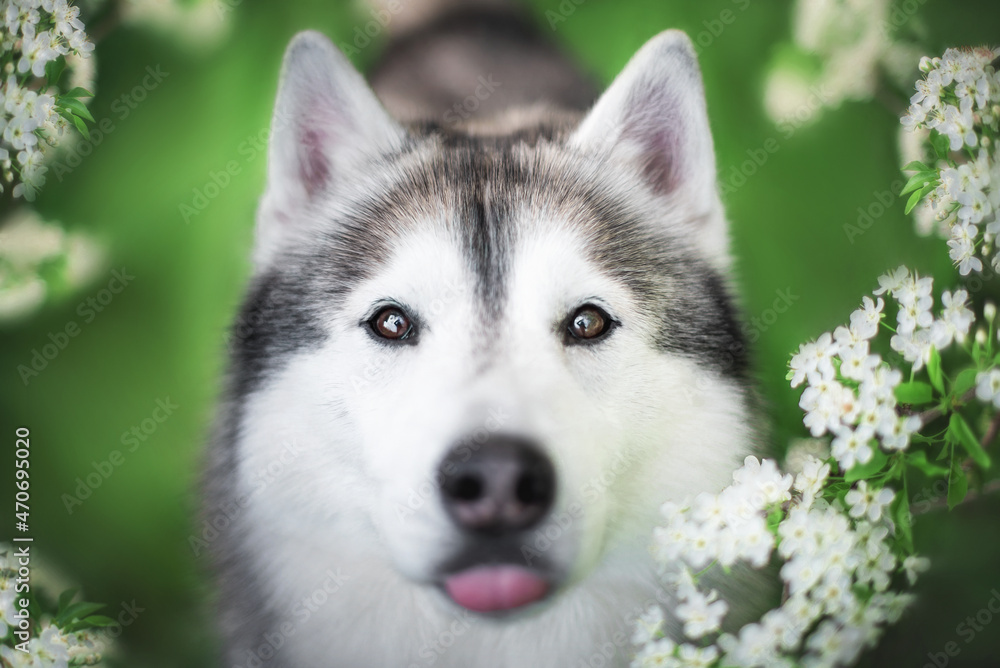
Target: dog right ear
{"points": [[326, 121]]}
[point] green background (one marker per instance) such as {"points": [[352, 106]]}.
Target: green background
{"points": [[164, 335]]}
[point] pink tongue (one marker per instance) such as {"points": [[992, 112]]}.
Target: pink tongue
{"points": [[490, 588]]}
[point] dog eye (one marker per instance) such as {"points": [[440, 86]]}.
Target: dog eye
{"points": [[392, 323], [589, 323]]}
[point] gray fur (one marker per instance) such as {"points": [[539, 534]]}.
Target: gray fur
{"points": [[474, 179]]}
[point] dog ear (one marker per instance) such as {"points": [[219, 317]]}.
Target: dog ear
{"points": [[326, 121], [653, 116]]}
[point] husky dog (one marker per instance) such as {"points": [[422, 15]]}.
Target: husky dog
{"points": [[491, 335]]}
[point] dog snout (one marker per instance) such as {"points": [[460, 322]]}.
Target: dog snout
{"points": [[505, 485]]}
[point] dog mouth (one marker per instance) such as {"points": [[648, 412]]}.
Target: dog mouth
{"points": [[496, 587]]}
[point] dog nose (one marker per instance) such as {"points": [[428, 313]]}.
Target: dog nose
{"points": [[504, 485]]}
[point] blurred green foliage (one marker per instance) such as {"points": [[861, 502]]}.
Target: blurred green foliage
{"points": [[164, 336]]}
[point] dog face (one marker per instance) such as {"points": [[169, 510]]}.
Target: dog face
{"points": [[496, 357]]}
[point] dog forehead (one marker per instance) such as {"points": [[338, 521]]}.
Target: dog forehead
{"points": [[490, 201]]}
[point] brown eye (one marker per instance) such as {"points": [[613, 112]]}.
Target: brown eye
{"points": [[589, 323], [392, 323]]}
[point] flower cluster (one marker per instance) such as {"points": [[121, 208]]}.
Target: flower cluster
{"points": [[851, 390], [37, 38], [70, 642], [957, 108], [40, 261], [839, 526], [855, 44], [838, 566]]}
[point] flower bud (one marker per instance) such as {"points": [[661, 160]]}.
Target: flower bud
{"points": [[981, 336], [989, 311]]}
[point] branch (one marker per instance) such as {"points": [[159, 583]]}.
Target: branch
{"points": [[932, 414], [942, 502], [991, 431]]}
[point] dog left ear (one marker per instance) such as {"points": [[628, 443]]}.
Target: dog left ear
{"points": [[653, 116], [327, 122]]}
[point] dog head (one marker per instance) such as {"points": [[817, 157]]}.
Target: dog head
{"points": [[497, 355]]}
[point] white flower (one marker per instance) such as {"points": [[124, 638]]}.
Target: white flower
{"points": [[856, 363], [7, 608], [851, 446], [956, 318], [66, 17], [988, 387], [810, 481], [36, 52], [868, 502], [865, 320], [754, 646], [896, 434], [649, 626], [763, 477], [658, 654], [701, 614], [815, 360], [958, 127], [913, 565], [690, 656], [915, 348], [893, 281], [962, 248]]}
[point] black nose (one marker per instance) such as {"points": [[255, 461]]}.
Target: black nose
{"points": [[500, 486]]}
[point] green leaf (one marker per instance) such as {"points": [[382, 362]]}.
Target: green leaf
{"points": [[934, 371], [54, 70], [77, 611], [914, 393], [919, 181], [900, 513], [78, 92], [916, 166], [919, 461], [82, 127], [960, 431], [964, 382], [774, 519], [65, 598], [912, 202], [862, 471], [78, 108], [98, 620], [940, 143], [958, 484]]}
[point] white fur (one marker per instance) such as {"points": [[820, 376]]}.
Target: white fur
{"points": [[626, 425], [663, 427]]}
